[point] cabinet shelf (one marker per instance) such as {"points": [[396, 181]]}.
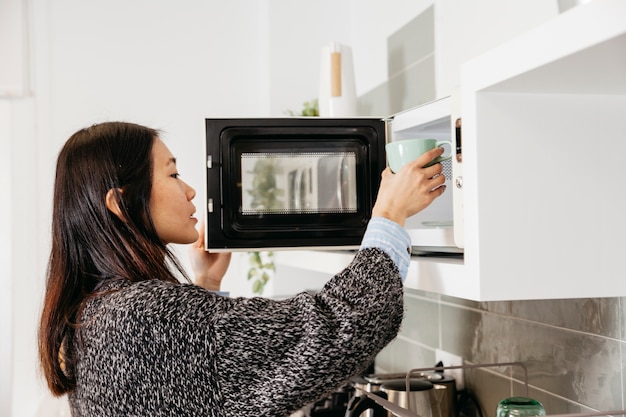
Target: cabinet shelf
{"points": [[578, 52], [326, 262], [542, 147], [441, 275]]}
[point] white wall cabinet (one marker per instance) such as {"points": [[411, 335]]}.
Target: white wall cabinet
{"points": [[540, 213], [543, 142]]}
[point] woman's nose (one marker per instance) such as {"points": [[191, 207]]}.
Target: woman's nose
{"points": [[190, 192]]}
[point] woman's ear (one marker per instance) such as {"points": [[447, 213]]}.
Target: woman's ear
{"points": [[113, 203]]}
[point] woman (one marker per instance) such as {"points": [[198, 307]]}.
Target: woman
{"points": [[123, 337]]}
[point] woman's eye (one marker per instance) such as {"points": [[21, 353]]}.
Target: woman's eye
{"points": [[176, 175]]}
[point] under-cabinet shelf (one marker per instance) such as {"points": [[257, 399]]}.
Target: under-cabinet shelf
{"points": [[441, 275]]}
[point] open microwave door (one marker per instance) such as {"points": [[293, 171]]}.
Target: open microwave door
{"points": [[281, 183]]}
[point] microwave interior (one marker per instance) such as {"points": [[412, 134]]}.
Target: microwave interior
{"points": [[291, 182]]}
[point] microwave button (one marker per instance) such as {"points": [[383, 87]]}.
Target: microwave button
{"points": [[209, 161], [210, 205]]}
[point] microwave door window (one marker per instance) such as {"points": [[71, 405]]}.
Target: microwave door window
{"points": [[298, 183], [263, 185]]}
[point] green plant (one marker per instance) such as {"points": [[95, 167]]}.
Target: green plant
{"points": [[265, 195], [262, 268], [309, 108]]}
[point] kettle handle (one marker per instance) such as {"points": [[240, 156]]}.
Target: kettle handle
{"points": [[358, 404]]}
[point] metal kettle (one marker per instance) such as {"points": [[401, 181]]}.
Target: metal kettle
{"points": [[424, 399], [372, 383]]}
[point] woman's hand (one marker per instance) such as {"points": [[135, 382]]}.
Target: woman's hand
{"points": [[208, 268], [411, 190]]}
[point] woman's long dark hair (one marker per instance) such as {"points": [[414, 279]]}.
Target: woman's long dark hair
{"points": [[90, 244]]}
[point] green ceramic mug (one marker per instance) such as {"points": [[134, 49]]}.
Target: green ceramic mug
{"points": [[403, 151]]}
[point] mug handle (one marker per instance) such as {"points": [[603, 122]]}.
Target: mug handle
{"points": [[442, 157]]}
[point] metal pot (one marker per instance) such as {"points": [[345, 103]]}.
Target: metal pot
{"points": [[449, 405], [424, 398]]}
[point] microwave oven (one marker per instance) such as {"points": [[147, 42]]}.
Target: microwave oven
{"points": [[308, 182]]}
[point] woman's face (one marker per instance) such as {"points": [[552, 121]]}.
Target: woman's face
{"points": [[170, 201]]}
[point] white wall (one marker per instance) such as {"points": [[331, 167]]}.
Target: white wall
{"points": [[6, 233], [164, 64], [13, 54], [161, 63], [299, 29], [371, 23]]}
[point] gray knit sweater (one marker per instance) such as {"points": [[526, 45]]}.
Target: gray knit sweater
{"points": [[159, 349]]}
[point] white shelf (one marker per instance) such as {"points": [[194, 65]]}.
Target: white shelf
{"points": [[581, 51], [425, 273], [327, 262], [542, 150], [438, 275]]}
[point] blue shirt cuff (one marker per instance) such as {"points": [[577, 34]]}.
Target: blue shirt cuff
{"points": [[390, 237]]}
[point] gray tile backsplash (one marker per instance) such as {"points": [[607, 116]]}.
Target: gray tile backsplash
{"points": [[411, 43], [599, 316], [411, 70], [571, 367], [574, 349]]}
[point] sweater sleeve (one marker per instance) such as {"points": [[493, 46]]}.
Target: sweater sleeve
{"points": [[276, 356], [392, 239]]}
